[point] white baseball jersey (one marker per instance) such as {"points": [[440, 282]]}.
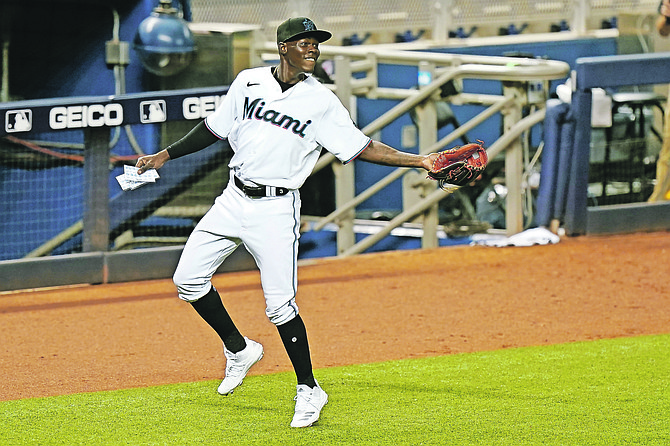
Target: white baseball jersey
{"points": [[277, 136]]}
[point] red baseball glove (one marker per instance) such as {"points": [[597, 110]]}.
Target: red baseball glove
{"points": [[460, 165]]}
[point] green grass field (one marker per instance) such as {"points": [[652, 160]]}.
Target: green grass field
{"points": [[610, 392]]}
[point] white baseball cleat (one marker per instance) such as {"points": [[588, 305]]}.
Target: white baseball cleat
{"points": [[308, 405], [238, 364]]}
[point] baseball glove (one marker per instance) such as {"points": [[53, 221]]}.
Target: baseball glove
{"points": [[459, 166]]}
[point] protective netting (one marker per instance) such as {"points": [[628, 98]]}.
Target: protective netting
{"points": [[42, 184], [623, 157], [349, 17], [43, 194]]}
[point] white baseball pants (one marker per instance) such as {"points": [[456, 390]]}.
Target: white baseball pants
{"points": [[269, 228]]}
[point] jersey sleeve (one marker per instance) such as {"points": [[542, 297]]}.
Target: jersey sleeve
{"points": [[338, 134], [221, 121]]}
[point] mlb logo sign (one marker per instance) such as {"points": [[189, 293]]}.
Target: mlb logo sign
{"points": [[18, 121], [152, 111]]}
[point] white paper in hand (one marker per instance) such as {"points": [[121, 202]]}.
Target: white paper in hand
{"points": [[130, 179]]}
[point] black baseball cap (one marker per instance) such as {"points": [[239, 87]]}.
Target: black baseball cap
{"points": [[300, 27]]}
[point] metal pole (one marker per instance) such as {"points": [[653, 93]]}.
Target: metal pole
{"points": [[345, 184], [427, 114], [5, 17], [96, 189], [513, 162], [442, 19], [579, 17]]}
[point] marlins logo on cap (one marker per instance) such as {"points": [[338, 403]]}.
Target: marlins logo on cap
{"points": [[298, 28]]}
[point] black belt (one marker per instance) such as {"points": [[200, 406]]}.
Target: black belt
{"points": [[260, 191]]}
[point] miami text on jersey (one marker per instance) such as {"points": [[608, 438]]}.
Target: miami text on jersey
{"points": [[273, 116]]}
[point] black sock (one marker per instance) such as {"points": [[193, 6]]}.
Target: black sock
{"points": [[294, 336], [211, 309]]}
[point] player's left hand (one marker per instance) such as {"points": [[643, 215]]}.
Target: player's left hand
{"points": [[155, 161], [460, 165]]}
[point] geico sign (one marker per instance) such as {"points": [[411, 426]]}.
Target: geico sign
{"points": [[80, 116], [198, 108]]}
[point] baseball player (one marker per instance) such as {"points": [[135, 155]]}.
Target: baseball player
{"points": [[276, 120]]}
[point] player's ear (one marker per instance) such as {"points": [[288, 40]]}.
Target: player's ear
{"points": [[282, 48]]}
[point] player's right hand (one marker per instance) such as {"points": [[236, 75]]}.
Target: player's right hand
{"points": [[155, 161], [665, 8]]}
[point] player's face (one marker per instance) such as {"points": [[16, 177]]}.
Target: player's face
{"points": [[302, 54]]}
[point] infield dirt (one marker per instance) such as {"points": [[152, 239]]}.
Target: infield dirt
{"points": [[367, 308]]}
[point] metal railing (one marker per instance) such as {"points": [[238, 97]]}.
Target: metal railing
{"points": [[421, 197]]}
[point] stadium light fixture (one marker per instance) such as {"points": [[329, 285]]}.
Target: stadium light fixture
{"points": [[164, 42]]}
